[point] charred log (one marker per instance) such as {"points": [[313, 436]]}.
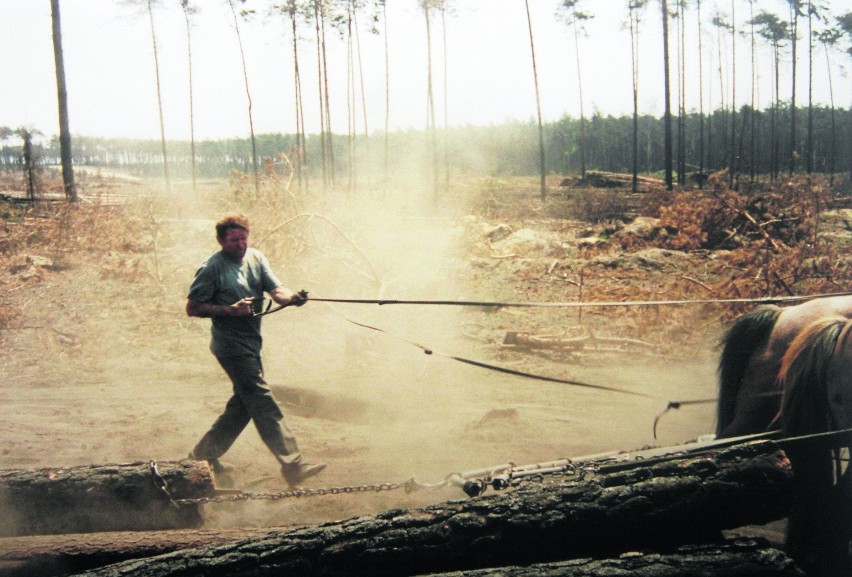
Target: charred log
{"points": [[56, 555], [662, 504], [82, 499], [740, 558]]}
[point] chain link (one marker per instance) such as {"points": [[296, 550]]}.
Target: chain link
{"points": [[474, 483], [160, 484], [409, 486]]}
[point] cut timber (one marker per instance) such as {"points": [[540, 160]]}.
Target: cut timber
{"points": [[60, 555], [740, 558], [663, 503], [599, 179], [54, 555], [591, 342], [82, 499]]}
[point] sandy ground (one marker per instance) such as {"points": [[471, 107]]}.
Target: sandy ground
{"points": [[106, 368]]}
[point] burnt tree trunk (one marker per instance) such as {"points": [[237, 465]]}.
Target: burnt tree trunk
{"points": [[659, 504], [54, 555], [82, 499], [738, 558]]}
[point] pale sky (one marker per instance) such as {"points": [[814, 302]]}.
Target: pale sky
{"points": [[111, 78]]}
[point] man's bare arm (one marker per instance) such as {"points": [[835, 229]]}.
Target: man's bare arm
{"points": [[240, 308], [284, 296]]}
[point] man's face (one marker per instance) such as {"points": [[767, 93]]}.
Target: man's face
{"points": [[235, 243]]}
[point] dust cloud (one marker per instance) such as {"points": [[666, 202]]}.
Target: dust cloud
{"points": [[107, 368]]}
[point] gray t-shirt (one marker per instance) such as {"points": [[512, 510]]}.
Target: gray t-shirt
{"points": [[223, 281]]}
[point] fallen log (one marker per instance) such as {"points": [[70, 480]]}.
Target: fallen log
{"points": [[62, 555], [65, 554], [667, 502], [738, 558], [91, 498], [574, 344]]}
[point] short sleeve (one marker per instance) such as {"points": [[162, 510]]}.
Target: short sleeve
{"points": [[268, 279], [203, 287]]}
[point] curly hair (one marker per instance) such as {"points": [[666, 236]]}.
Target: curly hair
{"points": [[230, 221]]}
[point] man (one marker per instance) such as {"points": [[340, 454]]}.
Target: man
{"points": [[227, 289]]}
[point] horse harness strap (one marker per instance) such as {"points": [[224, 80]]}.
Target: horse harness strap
{"points": [[841, 437]]}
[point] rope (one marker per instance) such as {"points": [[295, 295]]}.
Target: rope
{"points": [[505, 370], [579, 304], [429, 351], [488, 366], [674, 405]]}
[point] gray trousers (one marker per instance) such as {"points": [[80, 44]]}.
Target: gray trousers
{"points": [[252, 401]]}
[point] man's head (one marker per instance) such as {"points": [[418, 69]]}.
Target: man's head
{"points": [[232, 233]]}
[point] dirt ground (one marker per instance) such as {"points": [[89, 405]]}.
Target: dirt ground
{"points": [[101, 365]]}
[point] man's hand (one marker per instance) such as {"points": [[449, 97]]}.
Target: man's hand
{"points": [[242, 308], [286, 298], [300, 298]]}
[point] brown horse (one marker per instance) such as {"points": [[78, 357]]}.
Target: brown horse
{"points": [[790, 369]]}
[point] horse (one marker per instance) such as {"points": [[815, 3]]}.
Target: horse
{"points": [[789, 369]]}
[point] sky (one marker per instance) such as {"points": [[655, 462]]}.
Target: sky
{"points": [[111, 76]]}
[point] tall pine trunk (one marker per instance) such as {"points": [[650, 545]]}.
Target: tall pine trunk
{"points": [[809, 153], [386, 155], [62, 99], [634, 59], [351, 107], [299, 160], [430, 102], [248, 98], [681, 95], [542, 168], [794, 41], [329, 135], [446, 151], [667, 120], [700, 96], [324, 153], [732, 162], [159, 98], [754, 125], [187, 10], [580, 94]]}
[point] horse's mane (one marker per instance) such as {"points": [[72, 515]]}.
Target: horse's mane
{"points": [[818, 531], [738, 345], [804, 372]]}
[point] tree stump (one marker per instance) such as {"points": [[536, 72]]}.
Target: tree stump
{"points": [[90, 498]]}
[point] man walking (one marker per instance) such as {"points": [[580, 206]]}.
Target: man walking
{"points": [[227, 289]]}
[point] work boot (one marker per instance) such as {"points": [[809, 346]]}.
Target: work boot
{"points": [[216, 465], [297, 472]]}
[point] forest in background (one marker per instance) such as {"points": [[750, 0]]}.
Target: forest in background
{"points": [[734, 135], [497, 150]]}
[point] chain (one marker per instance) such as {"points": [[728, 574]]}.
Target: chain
{"points": [[410, 486], [160, 484], [501, 477], [514, 477]]}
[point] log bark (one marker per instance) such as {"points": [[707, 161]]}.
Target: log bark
{"points": [[669, 502], [56, 555], [122, 497], [737, 558]]}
